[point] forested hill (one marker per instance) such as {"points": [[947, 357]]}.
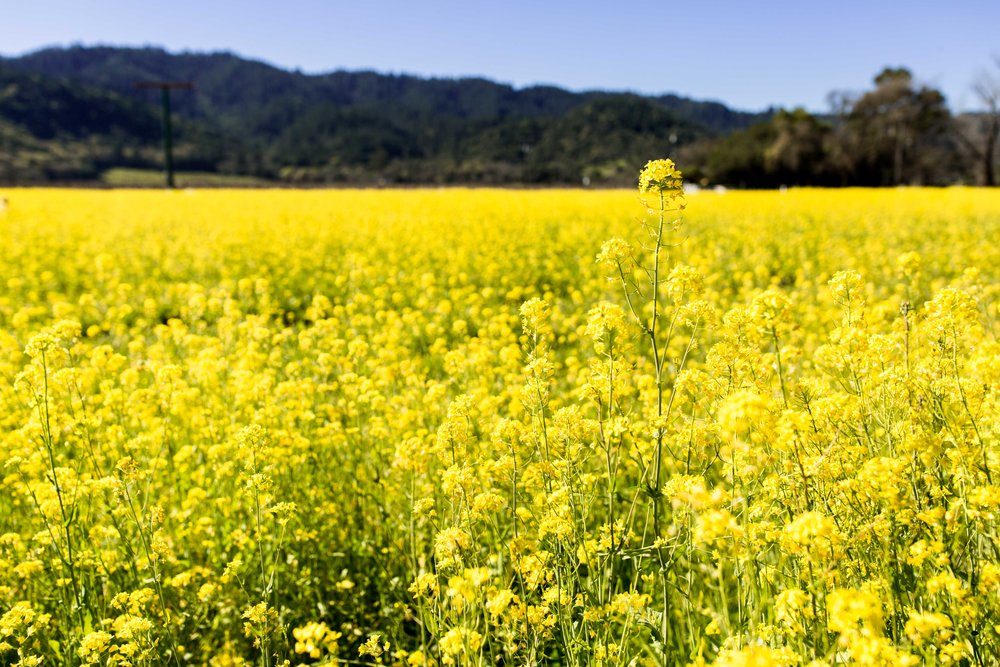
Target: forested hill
{"points": [[248, 117], [239, 91]]}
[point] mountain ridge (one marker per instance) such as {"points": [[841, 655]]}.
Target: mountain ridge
{"points": [[247, 116]]}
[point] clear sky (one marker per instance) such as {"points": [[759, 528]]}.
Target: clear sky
{"points": [[749, 54]]}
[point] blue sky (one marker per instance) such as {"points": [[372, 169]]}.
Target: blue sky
{"points": [[745, 53]]}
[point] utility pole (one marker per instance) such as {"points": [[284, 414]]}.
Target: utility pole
{"points": [[168, 135]]}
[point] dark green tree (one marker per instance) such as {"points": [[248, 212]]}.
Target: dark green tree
{"points": [[898, 133], [798, 153]]}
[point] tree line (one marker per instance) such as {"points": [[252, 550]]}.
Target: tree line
{"points": [[73, 114], [899, 132]]}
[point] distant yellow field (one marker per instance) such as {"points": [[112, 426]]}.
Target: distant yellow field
{"points": [[430, 427]]}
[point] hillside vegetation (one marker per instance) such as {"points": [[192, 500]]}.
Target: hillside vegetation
{"points": [[72, 113], [247, 117]]}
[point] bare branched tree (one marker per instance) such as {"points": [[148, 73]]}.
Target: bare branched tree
{"points": [[980, 133]]}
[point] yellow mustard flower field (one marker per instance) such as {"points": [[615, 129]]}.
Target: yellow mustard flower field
{"points": [[485, 427]]}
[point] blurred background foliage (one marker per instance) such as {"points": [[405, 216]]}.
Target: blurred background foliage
{"points": [[72, 115]]}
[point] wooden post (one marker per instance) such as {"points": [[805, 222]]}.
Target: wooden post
{"points": [[168, 135]]}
